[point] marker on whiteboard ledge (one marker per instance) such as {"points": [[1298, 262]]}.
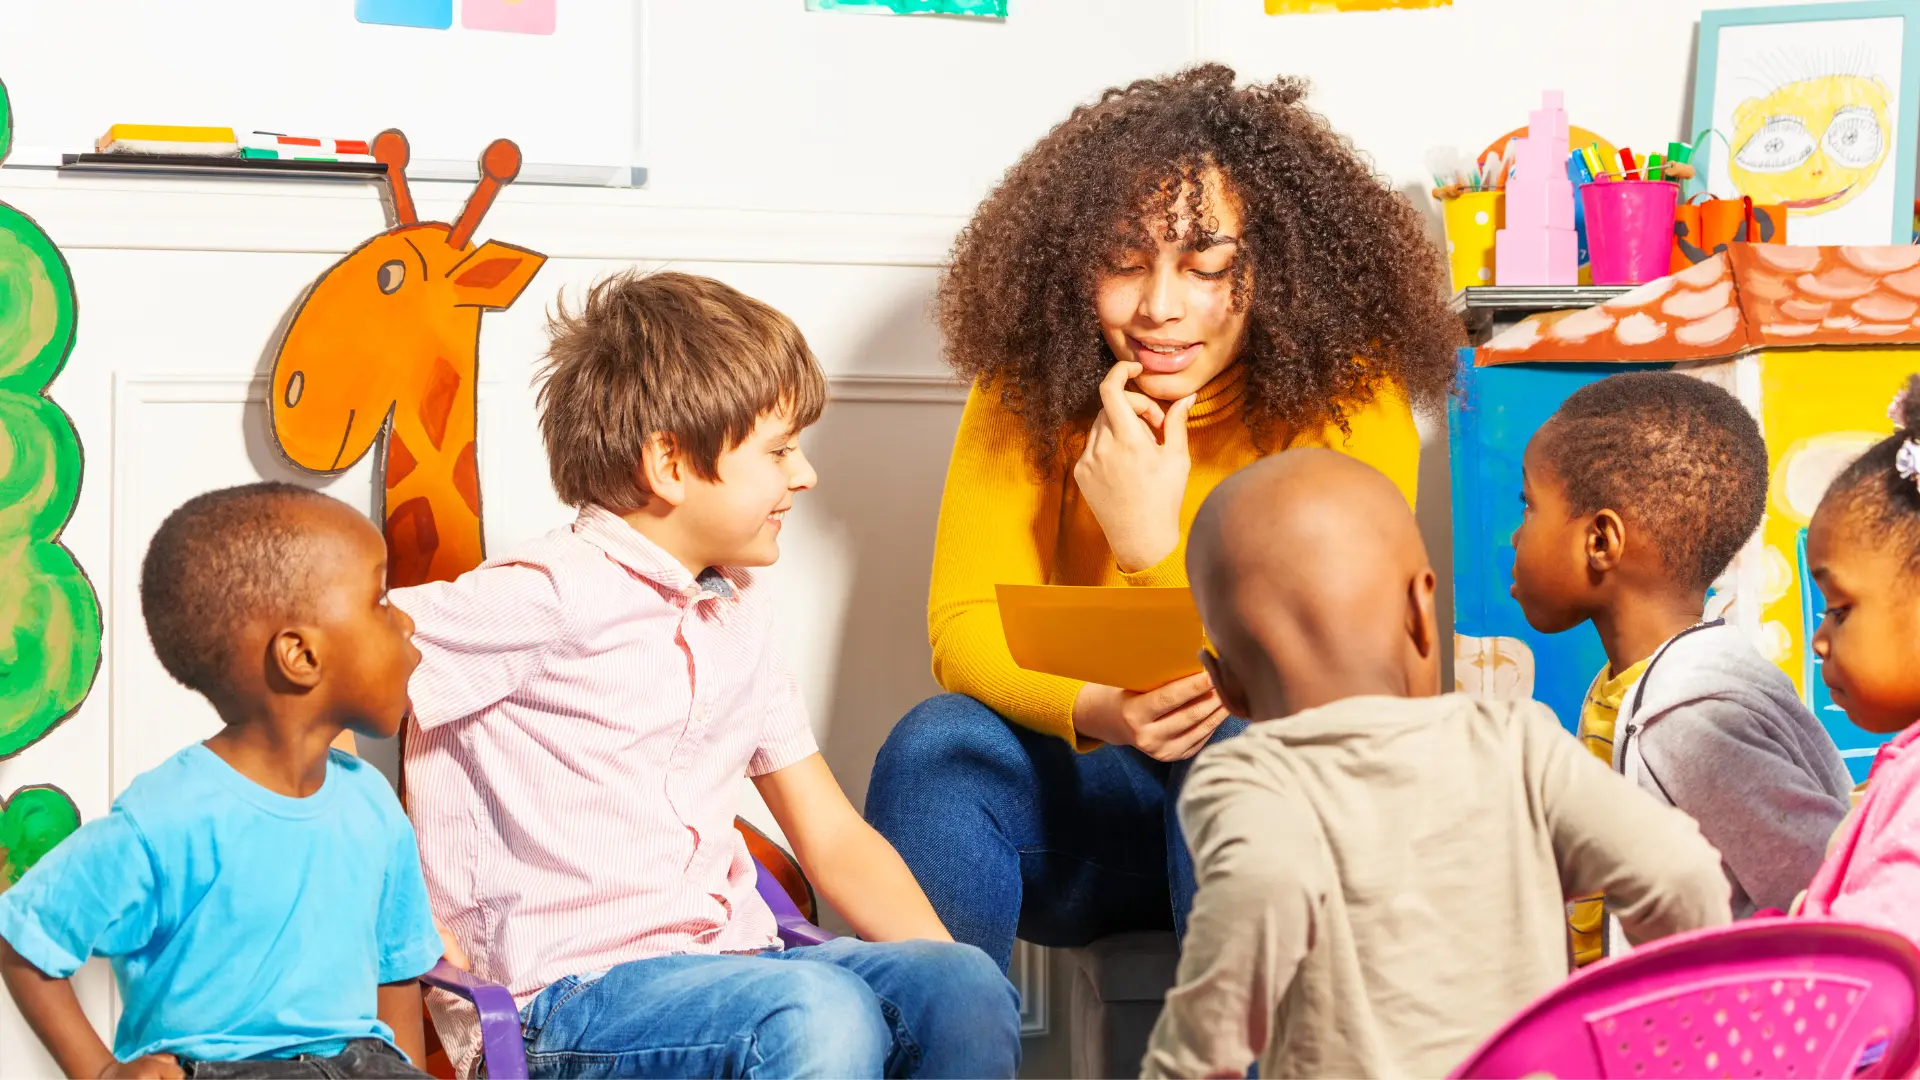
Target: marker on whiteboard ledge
{"points": [[274, 146], [174, 139]]}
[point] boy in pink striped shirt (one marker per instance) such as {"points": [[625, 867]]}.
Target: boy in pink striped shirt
{"points": [[585, 707]]}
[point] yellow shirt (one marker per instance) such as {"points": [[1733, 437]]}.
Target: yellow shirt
{"points": [[1587, 922], [1002, 523]]}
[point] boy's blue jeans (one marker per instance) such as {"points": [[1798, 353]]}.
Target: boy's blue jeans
{"points": [[847, 1008], [1011, 831]]}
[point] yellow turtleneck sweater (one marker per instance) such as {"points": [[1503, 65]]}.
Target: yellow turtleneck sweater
{"points": [[1000, 524]]}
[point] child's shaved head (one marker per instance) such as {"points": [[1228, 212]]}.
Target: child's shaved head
{"points": [[220, 562], [1313, 584]]}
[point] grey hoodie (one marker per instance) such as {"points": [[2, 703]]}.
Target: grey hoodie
{"points": [[1712, 728]]}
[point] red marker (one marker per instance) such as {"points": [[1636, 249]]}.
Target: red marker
{"points": [[1626, 160]]}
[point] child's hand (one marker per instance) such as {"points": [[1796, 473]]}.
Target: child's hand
{"points": [[151, 1067], [1133, 479], [452, 952]]}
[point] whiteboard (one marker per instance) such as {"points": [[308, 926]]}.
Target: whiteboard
{"points": [[306, 67]]}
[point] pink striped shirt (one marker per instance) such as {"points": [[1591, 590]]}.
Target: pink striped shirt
{"points": [[1873, 874], [583, 713]]}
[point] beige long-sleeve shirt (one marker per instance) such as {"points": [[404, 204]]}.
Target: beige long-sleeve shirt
{"points": [[1382, 884]]}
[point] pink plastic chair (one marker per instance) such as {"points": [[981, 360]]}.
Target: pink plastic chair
{"points": [[1802, 998]]}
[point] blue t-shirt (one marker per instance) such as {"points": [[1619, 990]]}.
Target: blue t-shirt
{"points": [[241, 923]]}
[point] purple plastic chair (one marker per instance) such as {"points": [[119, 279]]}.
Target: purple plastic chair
{"points": [[1802, 998], [502, 1048]]}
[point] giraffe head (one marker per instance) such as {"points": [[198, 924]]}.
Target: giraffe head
{"points": [[379, 324]]}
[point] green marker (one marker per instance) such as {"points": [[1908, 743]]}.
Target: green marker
{"points": [[1679, 152]]}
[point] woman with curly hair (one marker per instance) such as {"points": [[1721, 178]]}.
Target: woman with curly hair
{"points": [[1179, 279]]}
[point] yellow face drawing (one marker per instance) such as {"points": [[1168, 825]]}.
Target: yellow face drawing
{"points": [[1812, 144]]}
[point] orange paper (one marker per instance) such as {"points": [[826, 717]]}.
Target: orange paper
{"points": [[1133, 638]]}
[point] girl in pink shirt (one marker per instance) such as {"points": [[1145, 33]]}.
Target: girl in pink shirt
{"points": [[1863, 550]]}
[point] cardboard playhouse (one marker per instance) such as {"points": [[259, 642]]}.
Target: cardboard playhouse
{"points": [[1815, 341]]}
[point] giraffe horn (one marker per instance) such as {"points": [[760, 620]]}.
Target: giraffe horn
{"points": [[498, 166], [390, 149]]}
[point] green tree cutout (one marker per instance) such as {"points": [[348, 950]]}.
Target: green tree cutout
{"points": [[49, 615]]}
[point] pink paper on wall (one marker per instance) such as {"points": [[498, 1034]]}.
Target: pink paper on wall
{"points": [[511, 16]]}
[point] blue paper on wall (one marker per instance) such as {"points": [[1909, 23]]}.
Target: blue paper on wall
{"points": [[431, 14], [986, 9]]}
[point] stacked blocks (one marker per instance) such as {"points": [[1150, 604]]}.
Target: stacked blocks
{"points": [[1539, 245]]}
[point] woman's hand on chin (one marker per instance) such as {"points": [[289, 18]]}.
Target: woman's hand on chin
{"points": [[1168, 724], [1134, 470]]}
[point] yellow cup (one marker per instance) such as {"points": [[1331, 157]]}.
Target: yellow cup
{"points": [[1472, 219]]}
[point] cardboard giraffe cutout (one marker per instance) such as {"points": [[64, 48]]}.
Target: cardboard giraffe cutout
{"points": [[387, 342]]}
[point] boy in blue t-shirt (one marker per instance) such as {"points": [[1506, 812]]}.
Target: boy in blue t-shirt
{"points": [[259, 894]]}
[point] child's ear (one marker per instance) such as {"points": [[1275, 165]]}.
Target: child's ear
{"points": [[291, 660], [1606, 541], [1232, 695], [493, 275], [1423, 627], [663, 471]]}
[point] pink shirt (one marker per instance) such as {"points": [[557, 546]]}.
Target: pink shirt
{"points": [[583, 713], [1873, 875]]}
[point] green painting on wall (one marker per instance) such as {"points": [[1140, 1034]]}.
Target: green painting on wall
{"points": [[49, 615], [36, 818]]}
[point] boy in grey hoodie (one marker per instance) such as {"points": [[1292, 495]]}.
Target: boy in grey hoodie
{"points": [[1639, 491]]}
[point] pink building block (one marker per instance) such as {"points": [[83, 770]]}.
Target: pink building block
{"points": [[1538, 245]]}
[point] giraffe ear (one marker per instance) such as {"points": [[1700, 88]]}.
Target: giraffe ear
{"points": [[493, 275]]}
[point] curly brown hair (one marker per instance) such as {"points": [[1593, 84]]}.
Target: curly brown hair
{"points": [[1342, 286]]}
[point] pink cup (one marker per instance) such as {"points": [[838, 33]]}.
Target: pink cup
{"points": [[1629, 229]]}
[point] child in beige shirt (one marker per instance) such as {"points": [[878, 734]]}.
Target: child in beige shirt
{"points": [[1382, 870]]}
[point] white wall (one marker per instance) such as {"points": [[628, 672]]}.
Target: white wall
{"points": [[819, 162], [312, 69]]}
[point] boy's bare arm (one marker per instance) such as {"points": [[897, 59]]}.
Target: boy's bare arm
{"points": [[1660, 875], [53, 1012], [852, 866], [398, 1007]]}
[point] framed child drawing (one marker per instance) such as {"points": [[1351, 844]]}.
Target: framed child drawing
{"points": [[1814, 106]]}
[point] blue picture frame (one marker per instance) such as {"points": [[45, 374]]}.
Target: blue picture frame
{"points": [[1903, 152]]}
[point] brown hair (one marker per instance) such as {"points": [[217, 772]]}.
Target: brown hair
{"points": [[1344, 289], [664, 354]]}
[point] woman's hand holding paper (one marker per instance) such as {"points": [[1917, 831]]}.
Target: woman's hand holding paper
{"points": [[1168, 724]]}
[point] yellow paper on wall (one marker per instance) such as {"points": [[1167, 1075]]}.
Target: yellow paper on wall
{"points": [[1134, 638], [1313, 7]]}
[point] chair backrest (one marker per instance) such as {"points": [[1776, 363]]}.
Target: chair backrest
{"points": [[1803, 998]]}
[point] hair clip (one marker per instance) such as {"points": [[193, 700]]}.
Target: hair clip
{"points": [[1907, 462]]}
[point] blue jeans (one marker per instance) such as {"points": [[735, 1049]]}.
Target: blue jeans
{"points": [[1012, 832], [844, 1009]]}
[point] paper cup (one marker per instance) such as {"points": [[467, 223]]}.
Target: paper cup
{"points": [[1471, 220]]}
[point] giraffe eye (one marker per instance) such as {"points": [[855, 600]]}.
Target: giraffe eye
{"points": [[392, 276]]}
